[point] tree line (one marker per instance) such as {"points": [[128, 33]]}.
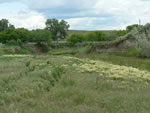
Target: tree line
{"points": [[54, 31]]}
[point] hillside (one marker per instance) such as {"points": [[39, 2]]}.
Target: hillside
{"points": [[125, 42]]}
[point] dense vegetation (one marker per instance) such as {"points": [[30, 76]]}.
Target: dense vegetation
{"points": [[10, 35], [70, 77], [58, 30], [54, 30]]}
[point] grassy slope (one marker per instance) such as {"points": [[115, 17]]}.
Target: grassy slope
{"points": [[30, 91]]}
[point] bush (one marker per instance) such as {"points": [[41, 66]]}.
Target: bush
{"points": [[143, 47], [44, 47], [120, 32], [96, 36], [91, 37], [75, 38], [131, 27], [12, 42], [14, 35], [143, 41], [41, 36]]}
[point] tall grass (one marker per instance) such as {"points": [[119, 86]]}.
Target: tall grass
{"points": [[54, 86]]}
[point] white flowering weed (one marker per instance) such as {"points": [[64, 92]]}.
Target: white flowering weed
{"points": [[110, 70]]}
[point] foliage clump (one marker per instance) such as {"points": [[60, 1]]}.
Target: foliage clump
{"points": [[96, 36], [57, 28], [4, 24], [14, 35], [75, 38], [40, 36], [91, 37], [131, 27], [143, 41]]}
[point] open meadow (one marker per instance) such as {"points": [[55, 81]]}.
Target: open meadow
{"points": [[67, 84], [74, 56]]}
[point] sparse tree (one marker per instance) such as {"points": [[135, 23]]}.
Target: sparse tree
{"points": [[4, 24], [57, 28]]}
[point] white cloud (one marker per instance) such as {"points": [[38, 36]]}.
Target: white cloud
{"points": [[85, 22], [122, 12], [30, 19], [83, 14]]}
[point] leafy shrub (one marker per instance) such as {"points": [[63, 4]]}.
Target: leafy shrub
{"points": [[131, 27], [143, 47], [143, 41], [12, 42], [75, 38], [14, 34], [120, 32], [43, 47], [41, 36], [91, 37], [96, 36]]}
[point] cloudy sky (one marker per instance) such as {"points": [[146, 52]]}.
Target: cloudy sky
{"points": [[80, 14]]}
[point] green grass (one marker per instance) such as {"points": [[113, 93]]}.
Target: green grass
{"points": [[60, 51], [70, 51], [40, 84], [15, 49], [127, 58], [131, 52], [123, 59]]}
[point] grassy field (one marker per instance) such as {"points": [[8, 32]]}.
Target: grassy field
{"points": [[119, 59], [63, 84], [128, 58]]}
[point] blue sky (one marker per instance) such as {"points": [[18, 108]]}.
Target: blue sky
{"points": [[80, 14]]}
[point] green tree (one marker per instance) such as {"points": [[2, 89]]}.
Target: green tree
{"points": [[57, 28], [41, 36], [4, 24], [75, 38], [14, 34], [130, 27]]}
